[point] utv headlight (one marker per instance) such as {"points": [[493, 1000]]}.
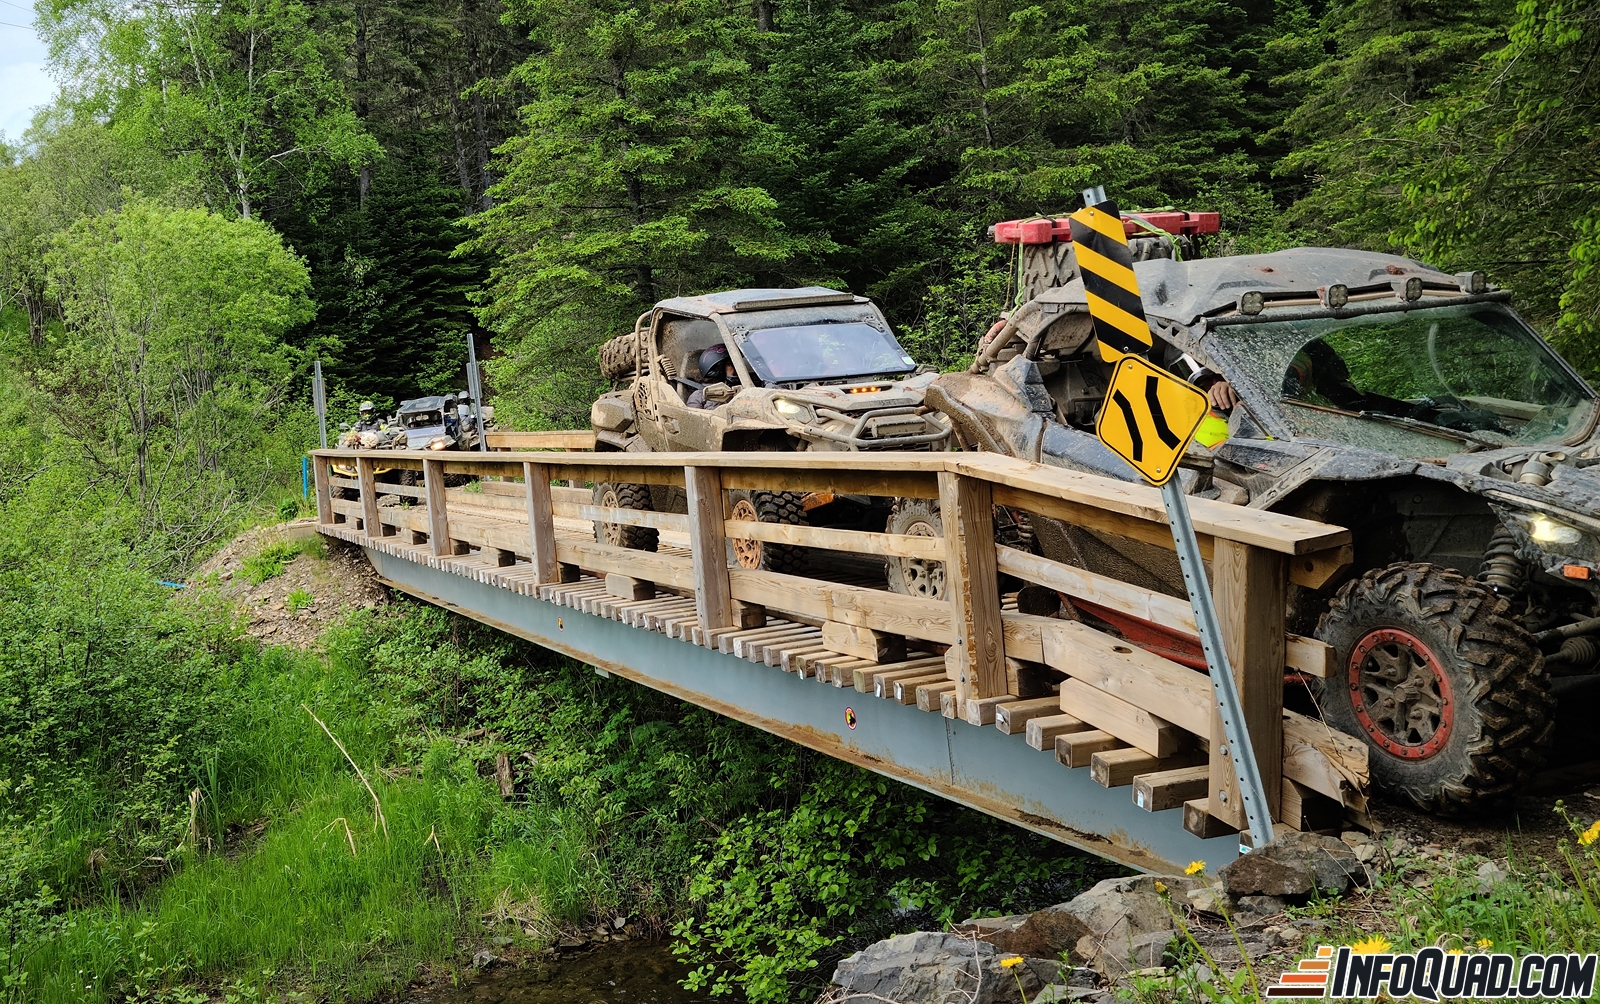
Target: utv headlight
{"points": [[1555, 536], [1552, 532], [793, 409], [439, 443]]}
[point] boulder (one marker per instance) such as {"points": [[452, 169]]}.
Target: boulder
{"points": [[1260, 874], [1043, 935], [1293, 867], [1119, 914], [929, 967]]}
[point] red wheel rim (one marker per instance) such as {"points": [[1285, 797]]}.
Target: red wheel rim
{"points": [[1401, 694]]}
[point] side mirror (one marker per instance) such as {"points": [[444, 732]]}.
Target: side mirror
{"points": [[344, 426]]}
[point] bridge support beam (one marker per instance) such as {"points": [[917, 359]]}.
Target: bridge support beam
{"points": [[980, 767]]}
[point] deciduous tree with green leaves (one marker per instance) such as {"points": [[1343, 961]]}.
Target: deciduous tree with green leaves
{"points": [[245, 87], [172, 356]]}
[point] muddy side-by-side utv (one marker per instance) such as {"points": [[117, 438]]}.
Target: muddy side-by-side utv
{"points": [[1370, 391], [761, 369]]}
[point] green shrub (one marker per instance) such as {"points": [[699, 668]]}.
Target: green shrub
{"points": [[297, 600]]}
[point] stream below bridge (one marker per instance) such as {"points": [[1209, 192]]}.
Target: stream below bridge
{"points": [[632, 973]]}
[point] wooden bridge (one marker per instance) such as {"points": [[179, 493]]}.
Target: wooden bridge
{"points": [[1045, 721]]}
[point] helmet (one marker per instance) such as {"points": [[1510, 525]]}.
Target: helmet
{"points": [[365, 406], [712, 358]]}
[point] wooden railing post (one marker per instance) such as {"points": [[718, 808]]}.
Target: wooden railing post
{"points": [[708, 545], [438, 519], [1249, 585], [541, 524], [966, 508], [319, 478], [368, 481]]}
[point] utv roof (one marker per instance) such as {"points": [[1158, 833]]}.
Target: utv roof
{"points": [[422, 404], [1185, 291], [739, 300]]}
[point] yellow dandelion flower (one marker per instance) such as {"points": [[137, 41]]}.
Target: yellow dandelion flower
{"points": [[1454, 951], [1160, 886], [1591, 834], [1377, 944], [1485, 944], [1007, 963], [1195, 868]]}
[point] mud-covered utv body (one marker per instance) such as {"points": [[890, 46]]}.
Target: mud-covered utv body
{"points": [[817, 369], [438, 423], [1412, 406]]}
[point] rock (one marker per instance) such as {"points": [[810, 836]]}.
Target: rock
{"points": [[1117, 912], [1044, 934], [1057, 993], [1149, 951], [619, 922], [1260, 874], [1254, 909], [1208, 899], [1490, 875], [484, 959], [1366, 852], [1294, 866], [934, 967]]}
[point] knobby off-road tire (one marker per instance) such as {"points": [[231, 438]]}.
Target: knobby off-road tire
{"points": [[1448, 692], [619, 357], [624, 496], [920, 518], [768, 507]]}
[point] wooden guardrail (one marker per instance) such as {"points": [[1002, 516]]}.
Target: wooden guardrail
{"points": [[563, 439], [1139, 717]]}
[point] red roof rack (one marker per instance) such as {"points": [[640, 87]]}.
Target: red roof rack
{"points": [[1048, 230]]}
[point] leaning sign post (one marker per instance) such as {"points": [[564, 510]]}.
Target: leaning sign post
{"points": [[1148, 419]]}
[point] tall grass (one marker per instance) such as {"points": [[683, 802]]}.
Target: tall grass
{"points": [[322, 900]]}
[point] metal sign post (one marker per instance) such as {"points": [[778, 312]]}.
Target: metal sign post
{"points": [[1143, 398], [475, 388], [1240, 752], [319, 401]]}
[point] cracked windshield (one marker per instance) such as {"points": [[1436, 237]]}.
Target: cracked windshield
{"points": [[1469, 373]]}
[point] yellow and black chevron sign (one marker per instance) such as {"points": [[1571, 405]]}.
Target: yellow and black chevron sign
{"points": [[1101, 245], [1149, 417]]}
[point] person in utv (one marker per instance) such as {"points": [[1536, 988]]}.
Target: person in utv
{"points": [[719, 380]]}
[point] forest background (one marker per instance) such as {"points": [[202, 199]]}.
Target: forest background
{"points": [[223, 193]]}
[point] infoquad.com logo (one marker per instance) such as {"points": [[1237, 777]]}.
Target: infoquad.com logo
{"points": [[1433, 974]]}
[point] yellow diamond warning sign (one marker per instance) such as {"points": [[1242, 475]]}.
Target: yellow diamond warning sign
{"points": [[1148, 418]]}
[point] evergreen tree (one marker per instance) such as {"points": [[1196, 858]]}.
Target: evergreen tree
{"points": [[393, 310], [630, 181]]}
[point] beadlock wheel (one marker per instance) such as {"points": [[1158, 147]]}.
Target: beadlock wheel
{"points": [[1400, 694], [1446, 689], [746, 552]]}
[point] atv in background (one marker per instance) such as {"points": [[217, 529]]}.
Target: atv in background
{"points": [[1374, 392], [794, 369]]}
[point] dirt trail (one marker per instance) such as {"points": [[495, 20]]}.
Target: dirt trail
{"points": [[339, 581]]}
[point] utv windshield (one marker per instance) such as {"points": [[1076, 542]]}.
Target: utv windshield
{"points": [[810, 352], [1470, 372], [422, 419]]}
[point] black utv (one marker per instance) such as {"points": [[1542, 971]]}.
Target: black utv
{"points": [[1374, 392]]}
